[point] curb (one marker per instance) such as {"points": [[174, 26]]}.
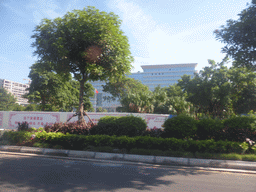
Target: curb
{"points": [[176, 161]]}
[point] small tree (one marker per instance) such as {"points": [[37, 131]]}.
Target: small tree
{"points": [[18, 107], [87, 43], [99, 109], [7, 100]]}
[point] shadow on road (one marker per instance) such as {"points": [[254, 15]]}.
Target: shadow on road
{"points": [[26, 173]]}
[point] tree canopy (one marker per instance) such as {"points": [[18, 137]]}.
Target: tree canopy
{"points": [[87, 43], [53, 92], [132, 94], [121, 86], [240, 37], [220, 91]]}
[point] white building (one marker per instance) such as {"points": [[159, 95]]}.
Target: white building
{"points": [[152, 76], [17, 89]]}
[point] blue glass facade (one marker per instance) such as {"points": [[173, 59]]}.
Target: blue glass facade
{"points": [[152, 76]]}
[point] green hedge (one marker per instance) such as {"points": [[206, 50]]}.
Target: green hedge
{"points": [[239, 128], [208, 128], [236, 128], [15, 137], [78, 142]]}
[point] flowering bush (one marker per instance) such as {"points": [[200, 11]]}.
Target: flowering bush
{"points": [[71, 128]]}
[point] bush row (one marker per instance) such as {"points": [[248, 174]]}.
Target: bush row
{"points": [[236, 128], [79, 142], [180, 127]]}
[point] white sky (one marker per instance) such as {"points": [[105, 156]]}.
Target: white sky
{"points": [[159, 31]]}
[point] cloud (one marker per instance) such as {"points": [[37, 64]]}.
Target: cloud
{"points": [[44, 9], [137, 21], [177, 41], [15, 10], [15, 42]]}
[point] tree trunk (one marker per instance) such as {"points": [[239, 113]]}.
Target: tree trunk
{"points": [[81, 103], [43, 103]]}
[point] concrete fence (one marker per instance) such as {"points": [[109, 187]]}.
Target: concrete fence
{"points": [[10, 119]]}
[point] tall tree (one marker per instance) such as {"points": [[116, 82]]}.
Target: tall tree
{"points": [[160, 100], [243, 83], [120, 87], [18, 107], [74, 100], [240, 37], [49, 89], [210, 90], [53, 92], [32, 107], [132, 94], [87, 43], [7, 100], [171, 100], [138, 102]]}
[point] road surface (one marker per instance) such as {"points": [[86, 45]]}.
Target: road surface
{"points": [[29, 173]]}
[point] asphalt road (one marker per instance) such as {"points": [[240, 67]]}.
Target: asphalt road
{"points": [[29, 173]]}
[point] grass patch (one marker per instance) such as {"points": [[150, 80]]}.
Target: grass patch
{"points": [[231, 156], [249, 157], [41, 145]]}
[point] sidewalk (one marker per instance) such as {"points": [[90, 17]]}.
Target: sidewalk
{"points": [[161, 160]]}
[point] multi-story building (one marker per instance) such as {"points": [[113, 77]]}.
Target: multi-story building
{"points": [[17, 89], [163, 75], [152, 76]]}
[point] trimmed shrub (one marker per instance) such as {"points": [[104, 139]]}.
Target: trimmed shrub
{"points": [[108, 120], [131, 125], [128, 125], [239, 128], [104, 129], [106, 126], [208, 128], [181, 126]]}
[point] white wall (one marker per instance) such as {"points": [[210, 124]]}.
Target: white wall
{"points": [[10, 119]]}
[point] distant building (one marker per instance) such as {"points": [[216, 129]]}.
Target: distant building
{"points": [[17, 89], [152, 76], [163, 75]]}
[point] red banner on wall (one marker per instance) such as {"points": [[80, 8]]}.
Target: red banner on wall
{"points": [[35, 120]]}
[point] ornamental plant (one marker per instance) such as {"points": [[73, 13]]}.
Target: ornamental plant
{"points": [[24, 126]]}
